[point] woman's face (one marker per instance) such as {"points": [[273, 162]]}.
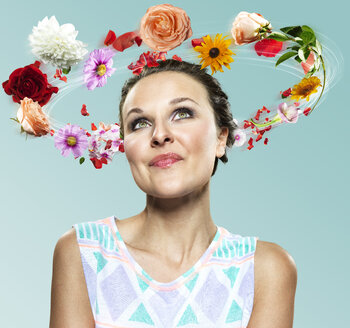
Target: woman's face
{"points": [[169, 114]]}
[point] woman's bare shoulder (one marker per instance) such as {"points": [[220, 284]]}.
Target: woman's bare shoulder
{"points": [[70, 305], [275, 281]]}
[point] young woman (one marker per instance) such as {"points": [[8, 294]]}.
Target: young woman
{"points": [[170, 265]]}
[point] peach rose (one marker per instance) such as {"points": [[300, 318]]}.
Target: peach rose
{"points": [[164, 27], [246, 27], [32, 118]]}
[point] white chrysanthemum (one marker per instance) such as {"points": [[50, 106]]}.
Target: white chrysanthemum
{"points": [[56, 44]]}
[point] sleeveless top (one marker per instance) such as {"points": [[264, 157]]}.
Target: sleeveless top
{"points": [[218, 291]]}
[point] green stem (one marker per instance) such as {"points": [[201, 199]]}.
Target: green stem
{"points": [[262, 125], [324, 83]]}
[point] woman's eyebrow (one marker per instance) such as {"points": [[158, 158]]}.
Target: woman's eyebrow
{"points": [[172, 102]]}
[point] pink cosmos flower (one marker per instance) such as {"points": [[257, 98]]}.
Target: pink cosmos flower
{"points": [[98, 67], [71, 138]]}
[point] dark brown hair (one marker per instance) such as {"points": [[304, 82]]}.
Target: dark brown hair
{"points": [[217, 98]]}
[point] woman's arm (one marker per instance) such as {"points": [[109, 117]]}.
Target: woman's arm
{"points": [[275, 287], [70, 306]]}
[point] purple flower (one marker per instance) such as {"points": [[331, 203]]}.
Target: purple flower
{"points": [[71, 138], [288, 114], [240, 137], [98, 67]]}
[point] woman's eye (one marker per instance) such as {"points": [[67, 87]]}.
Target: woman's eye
{"points": [[183, 113], [141, 123]]}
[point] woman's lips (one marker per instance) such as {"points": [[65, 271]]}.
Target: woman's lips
{"points": [[165, 160]]}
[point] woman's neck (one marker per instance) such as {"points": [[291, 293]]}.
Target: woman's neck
{"points": [[178, 229]]}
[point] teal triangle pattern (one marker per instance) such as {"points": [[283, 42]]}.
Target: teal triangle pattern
{"points": [[231, 273], [143, 285], [188, 317], [190, 285], [235, 313], [97, 308], [101, 261], [141, 315]]}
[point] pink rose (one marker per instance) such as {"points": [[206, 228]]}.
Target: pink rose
{"points": [[246, 27], [164, 27], [32, 118]]}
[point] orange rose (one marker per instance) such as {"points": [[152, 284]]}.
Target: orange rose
{"points": [[164, 27], [246, 27], [32, 118]]}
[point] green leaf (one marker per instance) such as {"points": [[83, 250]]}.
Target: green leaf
{"points": [[81, 160], [306, 28], [15, 119], [295, 48], [299, 40], [285, 56], [278, 36], [22, 130], [66, 70], [292, 30], [297, 59], [308, 37]]}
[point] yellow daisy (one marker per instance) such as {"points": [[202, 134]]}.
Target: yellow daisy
{"points": [[305, 88], [215, 53]]}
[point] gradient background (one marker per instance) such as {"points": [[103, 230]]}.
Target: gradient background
{"points": [[293, 192]]}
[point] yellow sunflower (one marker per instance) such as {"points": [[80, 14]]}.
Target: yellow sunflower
{"points": [[215, 53], [305, 88]]}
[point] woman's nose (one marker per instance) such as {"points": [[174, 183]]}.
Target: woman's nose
{"points": [[161, 135]]}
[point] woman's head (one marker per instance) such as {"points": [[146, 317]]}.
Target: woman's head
{"points": [[175, 107], [217, 97]]}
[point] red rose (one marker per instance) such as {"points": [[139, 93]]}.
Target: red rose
{"points": [[30, 82]]}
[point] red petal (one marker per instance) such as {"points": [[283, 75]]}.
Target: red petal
{"points": [[110, 38], [37, 64], [177, 58], [259, 137], [307, 111], [52, 132], [268, 47], [125, 41], [138, 41], [93, 127], [250, 147], [121, 148], [250, 142], [97, 163], [84, 111], [266, 141], [88, 134], [197, 42], [108, 144]]}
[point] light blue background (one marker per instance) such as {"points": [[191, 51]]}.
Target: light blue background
{"points": [[293, 192]]}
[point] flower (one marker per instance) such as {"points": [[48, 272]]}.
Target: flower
{"points": [[249, 27], [146, 58], [240, 137], [32, 118], [164, 27], [98, 67], [110, 135], [309, 63], [305, 88], [56, 44], [268, 47], [215, 53], [288, 114], [30, 82], [71, 138]]}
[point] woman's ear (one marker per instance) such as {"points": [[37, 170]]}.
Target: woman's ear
{"points": [[222, 139]]}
